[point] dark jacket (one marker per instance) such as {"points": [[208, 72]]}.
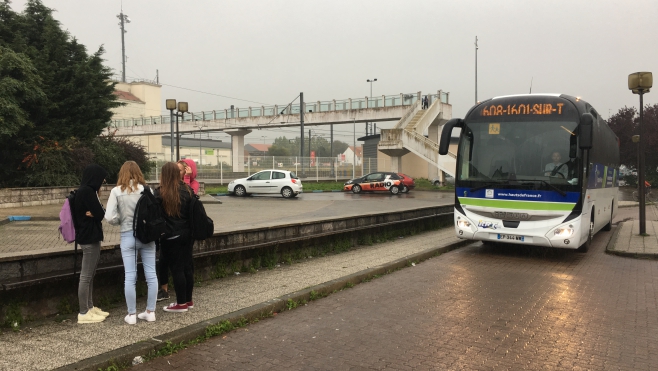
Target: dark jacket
{"points": [[178, 225], [89, 229]]}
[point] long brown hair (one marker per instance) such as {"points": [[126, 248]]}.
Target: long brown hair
{"points": [[170, 184], [130, 171]]}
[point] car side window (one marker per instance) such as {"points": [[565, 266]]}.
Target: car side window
{"points": [[278, 175], [265, 175], [373, 177]]}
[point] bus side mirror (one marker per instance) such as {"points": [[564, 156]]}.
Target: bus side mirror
{"points": [[446, 133], [586, 131]]}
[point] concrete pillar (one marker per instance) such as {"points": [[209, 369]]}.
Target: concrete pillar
{"points": [[237, 148], [396, 164]]}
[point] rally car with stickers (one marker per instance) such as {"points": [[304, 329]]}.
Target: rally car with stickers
{"points": [[376, 182]]}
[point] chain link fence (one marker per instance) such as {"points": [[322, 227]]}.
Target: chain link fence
{"points": [[308, 168]]}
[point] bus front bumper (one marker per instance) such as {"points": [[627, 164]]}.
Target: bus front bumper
{"points": [[565, 235]]}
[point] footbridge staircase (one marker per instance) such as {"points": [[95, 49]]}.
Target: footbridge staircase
{"points": [[408, 136]]}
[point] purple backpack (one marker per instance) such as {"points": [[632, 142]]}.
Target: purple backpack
{"points": [[66, 226]]}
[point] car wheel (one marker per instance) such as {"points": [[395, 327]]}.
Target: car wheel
{"points": [[437, 183], [356, 188], [286, 192], [240, 191], [394, 190]]}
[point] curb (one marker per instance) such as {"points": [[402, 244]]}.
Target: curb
{"points": [[610, 248], [127, 353], [32, 218]]}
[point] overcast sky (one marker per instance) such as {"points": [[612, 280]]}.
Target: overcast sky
{"points": [[266, 52]]}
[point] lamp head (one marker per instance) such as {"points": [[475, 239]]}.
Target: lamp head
{"points": [[635, 138], [182, 107], [640, 82], [171, 104]]}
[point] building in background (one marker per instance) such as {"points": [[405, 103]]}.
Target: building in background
{"points": [[347, 157]]}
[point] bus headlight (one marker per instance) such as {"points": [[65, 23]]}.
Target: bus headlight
{"points": [[564, 232], [464, 224]]}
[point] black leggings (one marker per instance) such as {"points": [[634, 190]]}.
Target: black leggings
{"points": [[178, 255]]}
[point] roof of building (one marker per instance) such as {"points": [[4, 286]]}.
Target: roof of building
{"points": [[124, 95], [258, 147], [192, 142]]}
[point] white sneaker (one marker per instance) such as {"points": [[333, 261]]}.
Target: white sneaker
{"points": [[131, 319], [146, 316], [90, 317], [97, 311]]}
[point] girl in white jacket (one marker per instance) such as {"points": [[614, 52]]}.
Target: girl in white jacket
{"points": [[120, 211]]}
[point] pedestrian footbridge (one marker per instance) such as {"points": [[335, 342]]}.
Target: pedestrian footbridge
{"points": [[407, 136]]}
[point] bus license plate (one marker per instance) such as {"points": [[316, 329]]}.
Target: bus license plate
{"points": [[511, 237]]}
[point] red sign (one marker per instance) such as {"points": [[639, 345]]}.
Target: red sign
{"points": [[312, 158]]}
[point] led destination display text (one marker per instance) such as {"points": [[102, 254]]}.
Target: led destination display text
{"points": [[522, 109]]}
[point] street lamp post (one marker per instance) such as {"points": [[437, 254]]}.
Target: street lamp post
{"points": [[640, 83], [182, 109], [171, 106]]}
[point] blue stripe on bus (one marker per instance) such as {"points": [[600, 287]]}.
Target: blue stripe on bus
{"points": [[519, 195]]}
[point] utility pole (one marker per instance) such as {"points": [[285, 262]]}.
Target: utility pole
{"points": [[331, 150], [123, 20], [301, 121], [476, 69]]}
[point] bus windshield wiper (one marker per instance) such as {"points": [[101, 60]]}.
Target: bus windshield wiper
{"points": [[556, 189], [483, 186]]}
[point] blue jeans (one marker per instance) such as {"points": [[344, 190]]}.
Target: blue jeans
{"points": [[129, 247]]}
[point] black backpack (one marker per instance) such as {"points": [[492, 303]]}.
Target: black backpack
{"points": [[201, 225], [148, 222]]}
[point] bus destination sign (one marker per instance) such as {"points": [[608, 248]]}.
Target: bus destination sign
{"points": [[522, 109]]}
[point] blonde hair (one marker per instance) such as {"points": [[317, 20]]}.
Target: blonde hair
{"points": [[130, 171]]}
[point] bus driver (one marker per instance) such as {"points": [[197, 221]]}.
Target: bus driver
{"points": [[554, 168]]}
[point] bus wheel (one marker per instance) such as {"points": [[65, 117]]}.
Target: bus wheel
{"points": [[608, 227], [585, 247]]}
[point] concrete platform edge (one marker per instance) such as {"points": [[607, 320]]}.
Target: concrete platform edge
{"points": [[610, 247], [126, 354]]}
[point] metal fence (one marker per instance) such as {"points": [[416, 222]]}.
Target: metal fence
{"points": [[309, 168]]}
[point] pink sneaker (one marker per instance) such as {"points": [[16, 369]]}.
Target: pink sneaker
{"points": [[174, 307], [190, 305]]}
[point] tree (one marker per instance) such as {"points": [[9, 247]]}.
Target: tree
{"points": [[50, 89], [625, 123], [20, 89]]}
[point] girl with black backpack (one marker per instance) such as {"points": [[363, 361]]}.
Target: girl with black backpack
{"points": [[120, 211], [175, 197]]}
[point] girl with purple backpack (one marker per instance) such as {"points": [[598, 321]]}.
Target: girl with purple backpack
{"points": [[88, 214]]}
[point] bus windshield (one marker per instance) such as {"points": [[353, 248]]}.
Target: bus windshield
{"points": [[537, 154]]}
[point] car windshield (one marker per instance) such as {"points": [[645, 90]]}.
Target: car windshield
{"points": [[495, 154]]}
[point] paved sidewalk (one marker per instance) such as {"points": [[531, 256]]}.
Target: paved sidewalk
{"points": [[54, 345], [627, 240]]}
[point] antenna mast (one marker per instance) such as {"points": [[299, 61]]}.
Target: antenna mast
{"points": [[123, 20]]}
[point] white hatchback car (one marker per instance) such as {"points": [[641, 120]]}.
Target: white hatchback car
{"points": [[268, 182]]}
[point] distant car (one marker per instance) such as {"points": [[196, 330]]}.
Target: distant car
{"points": [[272, 181], [376, 182], [449, 179], [407, 183]]}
